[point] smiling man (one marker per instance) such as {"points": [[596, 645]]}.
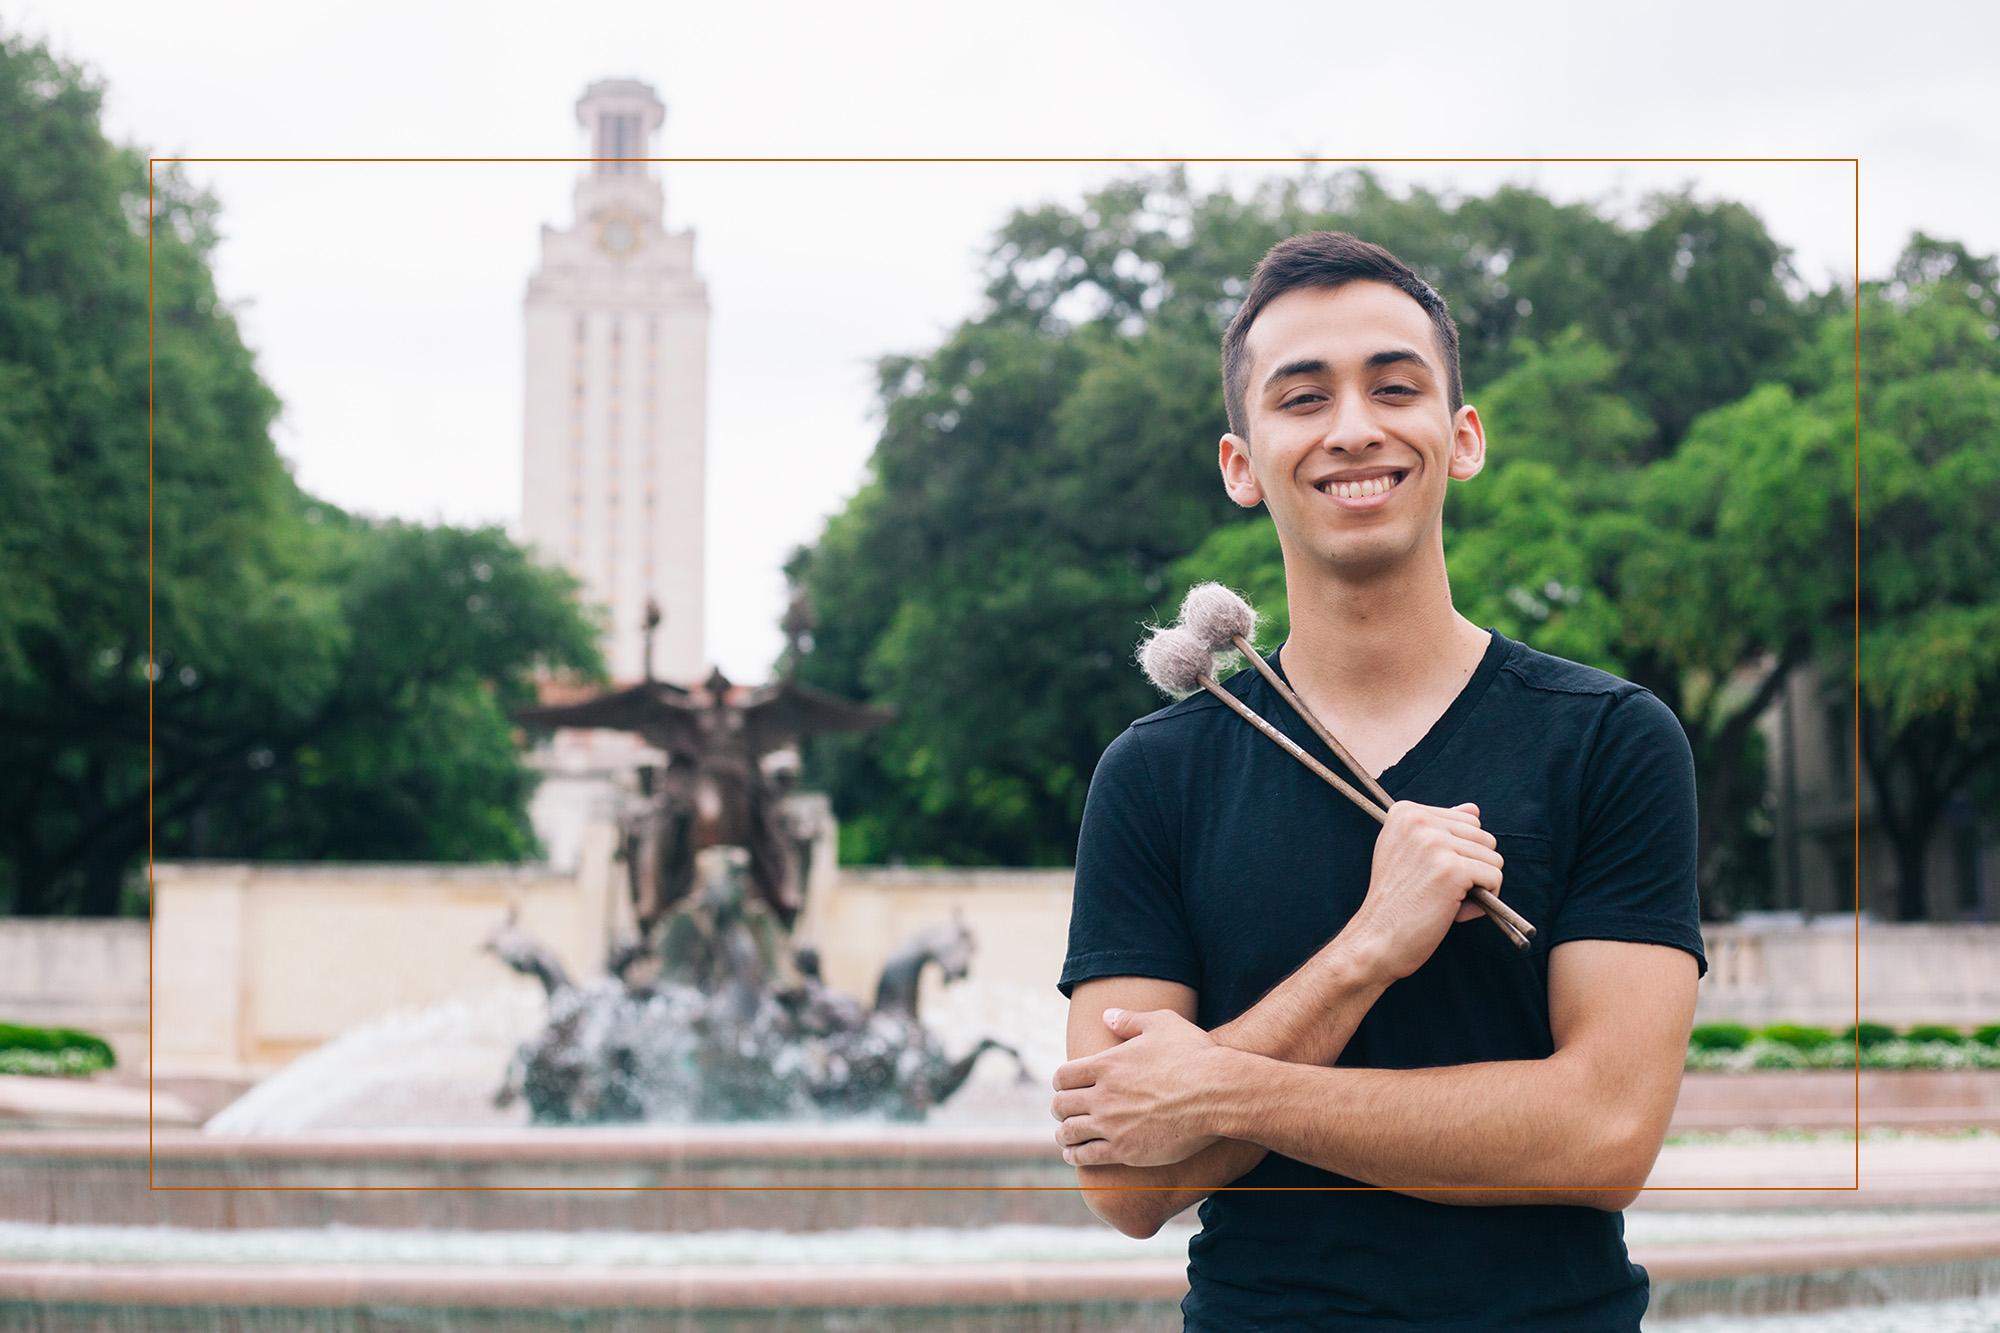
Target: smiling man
{"points": [[1418, 1124]]}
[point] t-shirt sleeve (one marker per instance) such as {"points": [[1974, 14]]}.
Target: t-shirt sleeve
{"points": [[1125, 915], [1634, 875]]}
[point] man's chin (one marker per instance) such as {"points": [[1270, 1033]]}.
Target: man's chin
{"points": [[1358, 559]]}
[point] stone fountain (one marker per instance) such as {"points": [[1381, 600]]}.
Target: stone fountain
{"points": [[711, 1012], [710, 1032]]}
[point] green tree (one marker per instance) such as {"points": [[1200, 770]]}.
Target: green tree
{"points": [[1709, 283], [1525, 541], [1703, 279], [1046, 479], [1749, 561], [984, 583], [73, 331], [1734, 568], [404, 750], [1930, 559], [287, 639]]}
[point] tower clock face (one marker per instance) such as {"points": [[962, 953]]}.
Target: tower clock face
{"points": [[617, 234]]}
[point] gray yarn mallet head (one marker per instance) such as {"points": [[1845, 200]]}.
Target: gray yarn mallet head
{"points": [[1217, 615], [1175, 660]]}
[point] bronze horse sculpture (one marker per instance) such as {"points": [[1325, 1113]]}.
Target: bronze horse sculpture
{"points": [[737, 1048]]}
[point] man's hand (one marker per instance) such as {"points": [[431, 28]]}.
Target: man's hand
{"points": [[1141, 1102], [1427, 859]]}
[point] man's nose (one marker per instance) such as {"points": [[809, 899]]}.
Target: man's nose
{"points": [[1351, 425]]}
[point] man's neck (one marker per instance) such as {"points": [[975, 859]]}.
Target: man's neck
{"points": [[1379, 646]]}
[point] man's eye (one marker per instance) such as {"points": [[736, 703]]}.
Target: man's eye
{"points": [[1305, 398], [1399, 388]]}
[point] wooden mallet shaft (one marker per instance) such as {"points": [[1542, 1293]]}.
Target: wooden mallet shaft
{"points": [[1501, 913], [1495, 910]]}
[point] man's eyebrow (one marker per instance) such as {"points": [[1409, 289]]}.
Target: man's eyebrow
{"points": [[1390, 356], [1313, 365]]}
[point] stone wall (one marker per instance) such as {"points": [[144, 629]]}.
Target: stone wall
{"points": [[1807, 974], [255, 964], [82, 974], [1019, 921]]}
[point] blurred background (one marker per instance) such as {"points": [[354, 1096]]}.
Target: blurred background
{"points": [[435, 443]]}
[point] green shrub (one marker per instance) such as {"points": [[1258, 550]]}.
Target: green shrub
{"points": [[1934, 1032], [58, 1042], [1871, 1034], [1989, 1035], [1719, 1037], [1798, 1036], [13, 1037]]}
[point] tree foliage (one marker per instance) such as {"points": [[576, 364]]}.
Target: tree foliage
{"points": [[1930, 556], [323, 686], [1046, 479]]}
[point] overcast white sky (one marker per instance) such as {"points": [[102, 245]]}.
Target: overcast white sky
{"points": [[384, 300]]}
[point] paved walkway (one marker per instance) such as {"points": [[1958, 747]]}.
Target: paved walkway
{"points": [[85, 1103], [1913, 1171]]}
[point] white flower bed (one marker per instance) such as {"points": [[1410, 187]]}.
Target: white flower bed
{"points": [[67, 1063], [1897, 1054]]}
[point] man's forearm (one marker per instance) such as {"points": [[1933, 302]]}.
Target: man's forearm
{"points": [[1543, 1127], [1139, 1200], [1308, 1018]]}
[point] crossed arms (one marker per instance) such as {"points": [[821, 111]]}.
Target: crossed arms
{"points": [[1157, 1114]]}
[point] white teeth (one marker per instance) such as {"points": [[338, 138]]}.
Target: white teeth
{"points": [[1357, 490]]}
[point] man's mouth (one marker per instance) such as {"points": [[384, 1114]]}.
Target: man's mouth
{"points": [[1361, 493]]}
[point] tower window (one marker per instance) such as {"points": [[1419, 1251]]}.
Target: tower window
{"points": [[617, 136]]}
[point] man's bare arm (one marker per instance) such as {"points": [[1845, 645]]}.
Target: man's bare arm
{"points": [[1582, 1126], [1139, 1200], [1309, 1018], [1424, 861]]}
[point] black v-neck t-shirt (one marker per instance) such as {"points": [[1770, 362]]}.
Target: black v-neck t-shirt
{"points": [[1210, 857]]}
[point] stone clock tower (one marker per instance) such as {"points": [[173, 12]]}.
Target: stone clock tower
{"points": [[617, 368]]}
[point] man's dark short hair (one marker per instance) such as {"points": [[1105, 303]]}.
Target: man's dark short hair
{"points": [[1326, 259]]}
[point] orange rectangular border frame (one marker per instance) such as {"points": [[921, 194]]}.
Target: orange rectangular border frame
{"points": [[895, 161]]}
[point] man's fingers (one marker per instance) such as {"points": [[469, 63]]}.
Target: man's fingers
{"points": [[1471, 907], [1478, 851], [1076, 1129], [1067, 1104], [1473, 833], [1094, 1153], [1075, 1074], [1483, 875]]}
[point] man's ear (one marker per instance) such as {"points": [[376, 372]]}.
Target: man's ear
{"points": [[1233, 455], [1468, 444]]}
